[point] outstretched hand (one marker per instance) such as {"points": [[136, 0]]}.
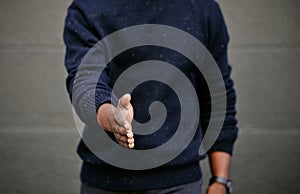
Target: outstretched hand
{"points": [[118, 120]]}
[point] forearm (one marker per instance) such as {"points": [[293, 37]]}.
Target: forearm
{"points": [[219, 163]]}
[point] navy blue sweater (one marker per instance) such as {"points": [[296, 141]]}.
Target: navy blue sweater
{"points": [[87, 22]]}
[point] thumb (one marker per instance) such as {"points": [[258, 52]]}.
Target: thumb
{"points": [[124, 101], [120, 117], [122, 112]]}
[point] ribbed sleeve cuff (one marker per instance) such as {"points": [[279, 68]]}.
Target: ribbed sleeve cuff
{"points": [[90, 102], [225, 143]]}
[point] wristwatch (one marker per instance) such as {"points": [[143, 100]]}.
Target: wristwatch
{"points": [[224, 181]]}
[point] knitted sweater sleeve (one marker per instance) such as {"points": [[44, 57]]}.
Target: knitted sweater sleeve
{"points": [[218, 40], [87, 88]]}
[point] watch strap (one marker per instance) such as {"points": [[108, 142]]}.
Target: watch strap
{"points": [[224, 181]]}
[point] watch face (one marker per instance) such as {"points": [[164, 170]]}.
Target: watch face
{"points": [[229, 187]]}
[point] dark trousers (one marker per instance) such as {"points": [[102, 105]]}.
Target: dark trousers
{"points": [[189, 188]]}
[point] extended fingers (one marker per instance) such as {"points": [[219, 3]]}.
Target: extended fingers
{"points": [[123, 136], [124, 139], [120, 130]]}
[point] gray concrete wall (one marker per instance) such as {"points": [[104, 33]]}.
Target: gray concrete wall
{"points": [[37, 133], [264, 53]]}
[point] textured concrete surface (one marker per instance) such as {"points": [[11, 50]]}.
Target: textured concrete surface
{"points": [[37, 134], [264, 53]]}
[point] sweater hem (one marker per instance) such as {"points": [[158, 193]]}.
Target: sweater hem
{"points": [[116, 179]]}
